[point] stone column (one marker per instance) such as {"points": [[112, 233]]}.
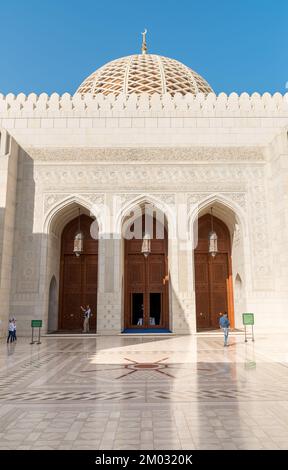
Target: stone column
{"points": [[8, 186], [182, 292], [180, 254], [110, 287]]}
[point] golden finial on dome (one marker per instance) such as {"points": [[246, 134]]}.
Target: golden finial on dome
{"points": [[144, 45]]}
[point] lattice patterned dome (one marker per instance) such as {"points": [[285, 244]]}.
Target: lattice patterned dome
{"points": [[142, 73]]}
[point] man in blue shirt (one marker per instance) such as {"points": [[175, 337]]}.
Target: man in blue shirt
{"points": [[224, 324]]}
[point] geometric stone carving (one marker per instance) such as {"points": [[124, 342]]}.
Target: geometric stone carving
{"points": [[122, 175], [52, 199], [148, 154], [238, 197]]}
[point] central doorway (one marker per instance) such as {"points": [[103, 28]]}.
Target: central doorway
{"points": [[146, 302]]}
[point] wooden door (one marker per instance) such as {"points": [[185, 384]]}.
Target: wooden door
{"points": [[78, 277], [202, 289], [213, 276], [146, 285], [218, 270]]}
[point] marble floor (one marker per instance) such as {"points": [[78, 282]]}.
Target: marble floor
{"points": [[122, 392]]}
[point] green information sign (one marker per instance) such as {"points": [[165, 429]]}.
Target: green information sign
{"points": [[248, 318], [36, 323]]}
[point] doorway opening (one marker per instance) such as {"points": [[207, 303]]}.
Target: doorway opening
{"points": [[137, 309]]}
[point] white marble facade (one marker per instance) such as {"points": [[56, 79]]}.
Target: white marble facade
{"points": [[105, 154]]}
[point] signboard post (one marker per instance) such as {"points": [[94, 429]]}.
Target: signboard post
{"points": [[248, 319], [36, 324]]}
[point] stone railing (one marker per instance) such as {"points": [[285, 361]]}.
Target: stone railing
{"points": [[255, 105]]}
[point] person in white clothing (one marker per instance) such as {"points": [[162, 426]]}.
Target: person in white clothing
{"points": [[10, 331], [87, 315], [14, 332]]}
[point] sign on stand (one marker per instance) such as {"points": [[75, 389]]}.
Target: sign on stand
{"points": [[248, 320], [36, 324]]}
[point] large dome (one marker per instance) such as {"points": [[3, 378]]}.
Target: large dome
{"points": [[144, 73]]}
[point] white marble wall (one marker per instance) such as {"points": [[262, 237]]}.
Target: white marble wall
{"points": [[229, 152], [110, 302], [182, 297]]}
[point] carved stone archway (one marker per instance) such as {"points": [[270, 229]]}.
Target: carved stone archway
{"points": [[213, 276], [146, 283]]}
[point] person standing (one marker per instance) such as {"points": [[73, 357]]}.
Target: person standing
{"points": [[10, 331], [87, 315], [14, 332], [225, 324]]}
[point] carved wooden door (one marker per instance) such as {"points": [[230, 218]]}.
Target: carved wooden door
{"points": [[218, 270], [78, 277], [146, 285], [213, 276], [202, 289]]}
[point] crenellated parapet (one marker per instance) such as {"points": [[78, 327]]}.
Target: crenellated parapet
{"points": [[189, 105]]}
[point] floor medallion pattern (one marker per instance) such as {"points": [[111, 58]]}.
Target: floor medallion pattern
{"points": [[144, 393]]}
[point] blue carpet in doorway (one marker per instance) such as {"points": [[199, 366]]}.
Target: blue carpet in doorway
{"points": [[146, 330]]}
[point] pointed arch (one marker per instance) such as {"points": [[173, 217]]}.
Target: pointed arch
{"points": [[238, 287], [53, 307], [228, 204], [232, 215], [58, 219], [146, 279], [66, 209], [140, 200]]}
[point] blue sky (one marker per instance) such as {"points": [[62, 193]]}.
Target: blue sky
{"points": [[53, 45]]}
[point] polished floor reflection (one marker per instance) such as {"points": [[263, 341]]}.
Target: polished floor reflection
{"points": [[125, 392]]}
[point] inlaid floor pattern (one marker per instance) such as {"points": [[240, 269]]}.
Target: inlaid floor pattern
{"points": [[118, 392]]}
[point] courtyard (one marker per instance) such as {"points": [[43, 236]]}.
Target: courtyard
{"points": [[144, 392]]}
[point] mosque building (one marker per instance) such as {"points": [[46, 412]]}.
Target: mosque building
{"points": [[147, 196]]}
